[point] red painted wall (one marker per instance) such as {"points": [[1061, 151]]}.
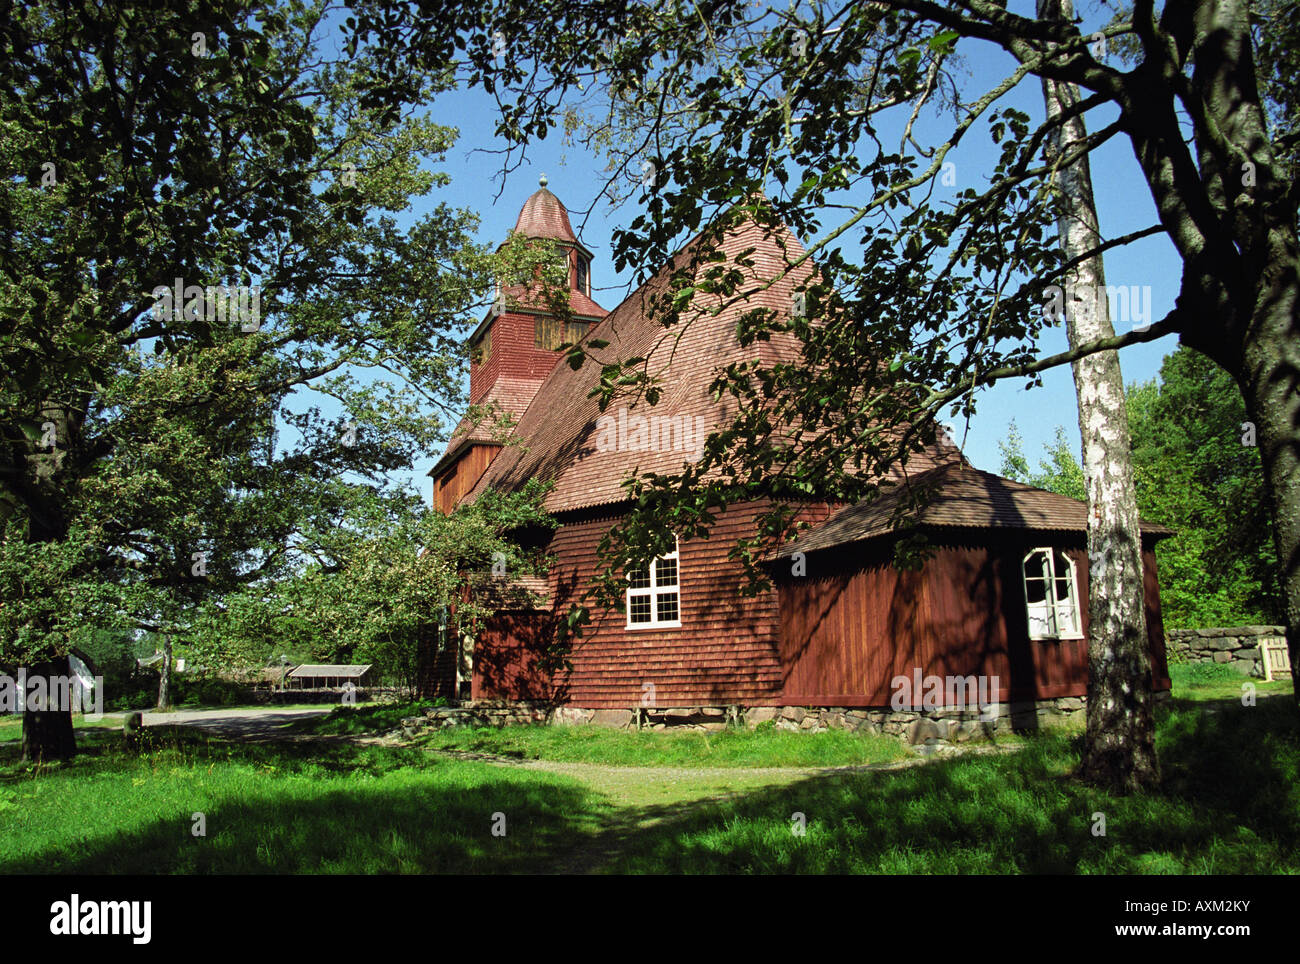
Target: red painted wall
{"points": [[839, 637], [855, 623], [724, 652], [507, 667], [514, 352]]}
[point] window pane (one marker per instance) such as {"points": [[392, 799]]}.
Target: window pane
{"points": [[638, 578], [1041, 622], [1035, 590], [1067, 618], [638, 609], [1034, 566], [667, 604], [666, 572]]}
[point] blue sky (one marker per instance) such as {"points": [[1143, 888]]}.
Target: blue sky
{"points": [[575, 176]]}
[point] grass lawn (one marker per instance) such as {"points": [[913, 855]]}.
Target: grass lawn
{"points": [[1209, 681], [1229, 802], [766, 747], [284, 808], [729, 748], [11, 725]]}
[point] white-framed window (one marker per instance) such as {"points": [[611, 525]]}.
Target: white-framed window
{"points": [[654, 593], [1051, 595]]}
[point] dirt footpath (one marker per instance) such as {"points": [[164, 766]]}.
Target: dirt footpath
{"points": [[240, 723]]}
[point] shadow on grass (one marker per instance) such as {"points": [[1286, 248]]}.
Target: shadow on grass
{"points": [[374, 718], [320, 808], [1229, 803]]}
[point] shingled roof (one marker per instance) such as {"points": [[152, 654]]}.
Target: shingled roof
{"points": [[544, 216], [560, 435], [516, 593], [511, 395], [533, 299], [964, 497]]}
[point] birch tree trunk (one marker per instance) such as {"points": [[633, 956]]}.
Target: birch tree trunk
{"points": [[1119, 750]]}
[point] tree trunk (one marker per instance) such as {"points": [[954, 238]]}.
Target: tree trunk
{"points": [[1269, 373], [165, 678], [1119, 748], [47, 733]]}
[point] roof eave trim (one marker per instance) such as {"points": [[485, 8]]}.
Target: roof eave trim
{"points": [[1152, 531]]}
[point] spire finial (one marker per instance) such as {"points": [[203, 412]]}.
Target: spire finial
{"points": [[542, 180]]}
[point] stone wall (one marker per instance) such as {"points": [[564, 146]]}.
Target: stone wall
{"points": [[925, 726], [916, 727], [1236, 646], [478, 714]]}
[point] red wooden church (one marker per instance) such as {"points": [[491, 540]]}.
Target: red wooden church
{"points": [[1002, 602]]}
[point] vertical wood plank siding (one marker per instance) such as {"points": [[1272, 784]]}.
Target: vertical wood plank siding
{"points": [[435, 669], [507, 668], [835, 637], [454, 484], [855, 623]]}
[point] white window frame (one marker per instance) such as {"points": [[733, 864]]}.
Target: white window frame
{"points": [[654, 591], [1061, 618]]}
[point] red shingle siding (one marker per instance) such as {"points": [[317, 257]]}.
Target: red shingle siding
{"points": [[834, 637], [544, 216], [513, 355], [963, 497], [724, 652], [562, 437], [534, 296]]}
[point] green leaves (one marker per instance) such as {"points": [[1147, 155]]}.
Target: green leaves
{"points": [[191, 432], [944, 42], [1221, 568]]}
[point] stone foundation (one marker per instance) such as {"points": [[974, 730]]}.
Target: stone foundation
{"points": [[1237, 646], [916, 727], [478, 714], [952, 725]]}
